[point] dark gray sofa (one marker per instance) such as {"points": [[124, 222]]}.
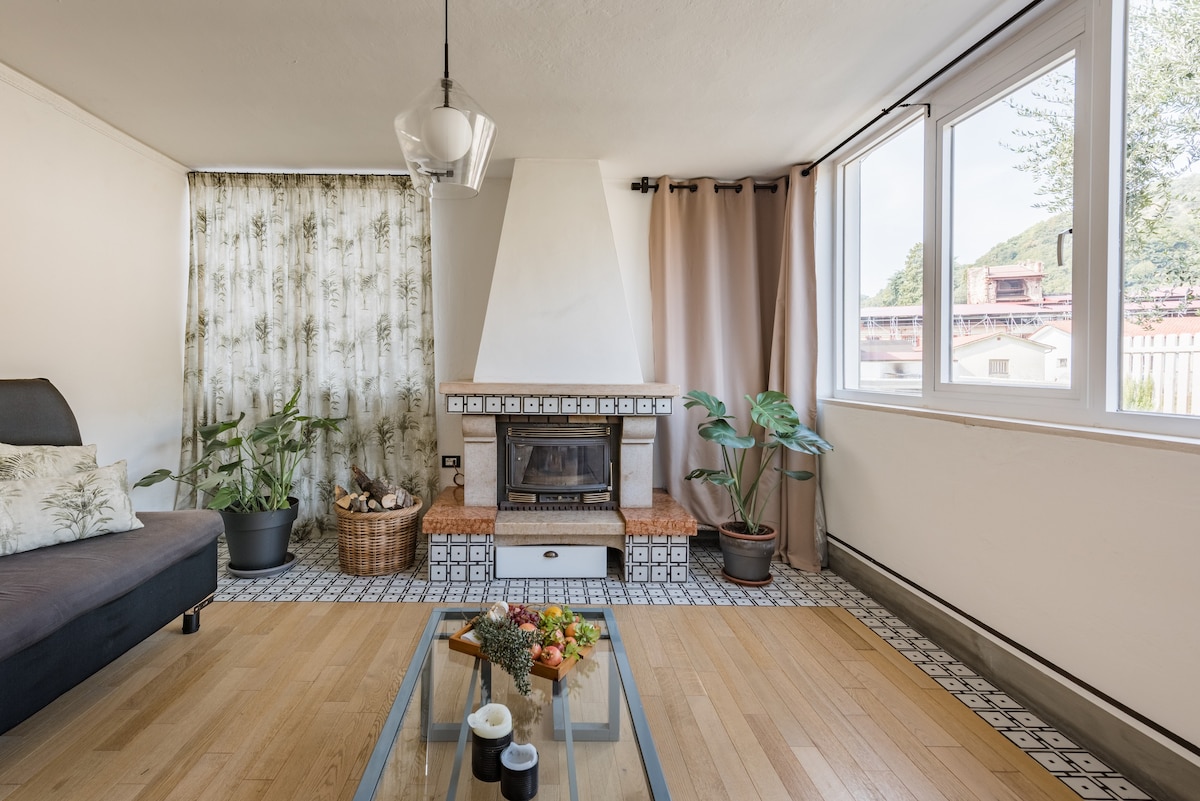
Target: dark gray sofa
{"points": [[68, 610]]}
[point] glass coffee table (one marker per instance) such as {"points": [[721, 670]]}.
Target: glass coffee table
{"points": [[591, 734]]}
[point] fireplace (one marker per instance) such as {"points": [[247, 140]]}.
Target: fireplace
{"points": [[557, 465]]}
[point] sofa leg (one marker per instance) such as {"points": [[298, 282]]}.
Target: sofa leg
{"points": [[191, 620]]}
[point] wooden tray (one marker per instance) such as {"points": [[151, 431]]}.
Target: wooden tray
{"points": [[457, 643]]}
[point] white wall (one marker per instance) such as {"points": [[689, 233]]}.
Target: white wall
{"points": [[466, 234], [93, 272], [1083, 550]]}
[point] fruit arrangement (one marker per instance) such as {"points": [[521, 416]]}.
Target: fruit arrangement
{"points": [[515, 636], [558, 632]]}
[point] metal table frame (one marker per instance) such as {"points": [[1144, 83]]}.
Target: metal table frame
{"points": [[421, 666]]}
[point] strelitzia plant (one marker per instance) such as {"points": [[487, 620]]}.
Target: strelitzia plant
{"points": [[747, 460]]}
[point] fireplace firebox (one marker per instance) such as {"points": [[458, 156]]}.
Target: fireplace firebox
{"points": [[551, 465]]}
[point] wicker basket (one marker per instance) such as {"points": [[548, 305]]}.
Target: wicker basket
{"points": [[377, 543]]}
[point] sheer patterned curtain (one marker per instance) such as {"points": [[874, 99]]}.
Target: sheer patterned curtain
{"points": [[322, 282], [732, 279]]}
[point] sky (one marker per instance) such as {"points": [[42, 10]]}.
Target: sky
{"points": [[993, 200]]}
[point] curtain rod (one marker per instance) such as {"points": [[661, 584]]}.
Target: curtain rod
{"points": [[900, 103], [645, 186]]}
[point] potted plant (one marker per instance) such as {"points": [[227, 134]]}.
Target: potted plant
{"points": [[248, 479], [748, 544]]}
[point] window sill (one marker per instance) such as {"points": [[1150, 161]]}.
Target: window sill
{"points": [[1096, 433]]}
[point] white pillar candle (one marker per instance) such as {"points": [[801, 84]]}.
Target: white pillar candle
{"points": [[519, 756], [491, 721]]}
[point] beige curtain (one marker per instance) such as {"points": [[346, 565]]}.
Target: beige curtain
{"points": [[733, 295], [793, 371]]}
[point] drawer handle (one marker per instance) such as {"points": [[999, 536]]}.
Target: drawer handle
{"points": [[551, 554]]}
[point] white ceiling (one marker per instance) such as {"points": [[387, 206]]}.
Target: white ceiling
{"points": [[723, 88]]}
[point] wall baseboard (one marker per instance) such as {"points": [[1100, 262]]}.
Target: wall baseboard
{"points": [[1152, 764]]}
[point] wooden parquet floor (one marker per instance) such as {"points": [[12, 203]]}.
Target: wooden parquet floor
{"points": [[275, 701]]}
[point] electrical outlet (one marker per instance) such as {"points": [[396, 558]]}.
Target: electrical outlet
{"points": [[453, 462]]}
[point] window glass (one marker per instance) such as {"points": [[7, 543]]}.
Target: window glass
{"points": [[1160, 336], [1012, 174], [888, 302]]}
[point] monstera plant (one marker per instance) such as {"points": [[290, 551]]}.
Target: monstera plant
{"points": [[748, 471]]}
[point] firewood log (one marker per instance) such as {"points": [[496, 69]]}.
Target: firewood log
{"points": [[374, 488]]}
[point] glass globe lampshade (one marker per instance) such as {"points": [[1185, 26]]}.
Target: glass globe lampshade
{"points": [[447, 141]]}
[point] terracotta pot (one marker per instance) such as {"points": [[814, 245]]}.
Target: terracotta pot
{"points": [[747, 556]]}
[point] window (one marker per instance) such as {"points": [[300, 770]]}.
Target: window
{"points": [[1160, 336], [1060, 234], [1008, 207], [885, 286]]}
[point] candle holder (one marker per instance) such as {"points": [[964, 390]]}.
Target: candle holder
{"points": [[491, 734], [519, 772]]}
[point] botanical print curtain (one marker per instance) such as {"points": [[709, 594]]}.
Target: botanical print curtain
{"points": [[731, 279], [323, 282]]}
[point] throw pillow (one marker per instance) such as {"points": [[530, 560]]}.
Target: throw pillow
{"points": [[43, 461], [37, 512]]}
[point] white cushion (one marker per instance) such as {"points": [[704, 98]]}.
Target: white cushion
{"points": [[36, 512], [44, 461]]}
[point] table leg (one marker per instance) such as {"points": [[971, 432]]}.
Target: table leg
{"points": [[562, 704], [607, 731]]}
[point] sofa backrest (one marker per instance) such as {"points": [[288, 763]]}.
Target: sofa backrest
{"points": [[34, 412]]}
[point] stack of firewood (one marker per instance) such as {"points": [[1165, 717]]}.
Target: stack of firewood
{"points": [[373, 496]]}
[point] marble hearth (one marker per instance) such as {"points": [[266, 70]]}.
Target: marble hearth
{"points": [[649, 528]]}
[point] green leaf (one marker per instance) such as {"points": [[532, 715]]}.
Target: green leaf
{"points": [[799, 475], [720, 432], [718, 477], [714, 407], [773, 411], [153, 478], [804, 440]]}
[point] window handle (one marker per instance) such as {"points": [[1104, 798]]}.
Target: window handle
{"points": [[1061, 236]]}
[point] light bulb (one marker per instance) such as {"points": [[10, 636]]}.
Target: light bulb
{"points": [[446, 134]]}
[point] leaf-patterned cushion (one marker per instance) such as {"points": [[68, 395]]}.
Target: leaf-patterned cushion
{"points": [[36, 512], [44, 461]]}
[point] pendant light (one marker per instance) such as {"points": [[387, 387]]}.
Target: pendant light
{"points": [[446, 137]]}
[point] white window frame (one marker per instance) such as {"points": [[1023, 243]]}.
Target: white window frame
{"points": [[981, 392], [1094, 30], [849, 362]]}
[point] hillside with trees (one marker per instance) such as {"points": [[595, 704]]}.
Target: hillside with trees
{"points": [[1168, 254], [1161, 236]]}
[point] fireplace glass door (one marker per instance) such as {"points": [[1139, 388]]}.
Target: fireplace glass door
{"points": [[557, 465]]}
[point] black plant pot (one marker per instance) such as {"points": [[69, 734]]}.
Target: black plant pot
{"points": [[747, 556], [259, 540]]}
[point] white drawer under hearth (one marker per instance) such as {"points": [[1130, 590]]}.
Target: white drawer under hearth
{"points": [[551, 561]]}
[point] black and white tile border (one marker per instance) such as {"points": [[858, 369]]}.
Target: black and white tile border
{"points": [[316, 577]]}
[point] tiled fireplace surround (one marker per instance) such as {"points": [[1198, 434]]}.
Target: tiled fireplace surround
{"points": [[650, 529]]}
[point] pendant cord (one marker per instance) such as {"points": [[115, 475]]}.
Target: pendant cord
{"points": [[446, 59], [446, 44]]}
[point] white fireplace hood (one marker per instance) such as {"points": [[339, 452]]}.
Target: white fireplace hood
{"points": [[557, 312]]}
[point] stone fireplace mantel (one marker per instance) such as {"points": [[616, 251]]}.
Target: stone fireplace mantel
{"points": [[471, 397]]}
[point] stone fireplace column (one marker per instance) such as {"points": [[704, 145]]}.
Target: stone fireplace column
{"points": [[637, 461], [479, 459]]}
